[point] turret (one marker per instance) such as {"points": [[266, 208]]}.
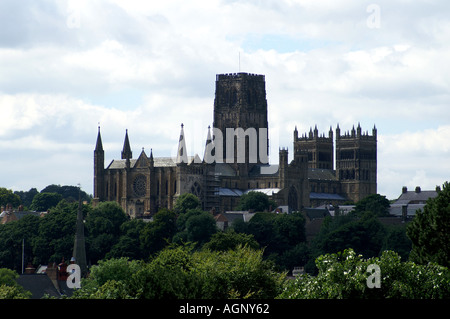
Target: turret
{"points": [[182, 154], [126, 151]]}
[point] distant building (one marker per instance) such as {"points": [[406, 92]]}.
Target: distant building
{"points": [[410, 201], [145, 184], [9, 214]]}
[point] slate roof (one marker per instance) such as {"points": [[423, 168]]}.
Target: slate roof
{"points": [[158, 162], [326, 196], [224, 191], [38, 285], [321, 174], [412, 197]]}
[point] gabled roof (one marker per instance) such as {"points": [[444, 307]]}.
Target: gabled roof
{"points": [[39, 285], [415, 197], [158, 162]]}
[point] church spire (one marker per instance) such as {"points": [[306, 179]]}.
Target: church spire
{"points": [[79, 248], [181, 154], [126, 152], [99, 144], [208, 147]]}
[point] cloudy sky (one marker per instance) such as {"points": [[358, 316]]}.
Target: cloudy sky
{"points": [[148, 66]]}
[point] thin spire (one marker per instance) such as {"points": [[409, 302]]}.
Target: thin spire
{"points": [[208, 147], [126, 152], [99, 144], [182, 154], [79, 248]]}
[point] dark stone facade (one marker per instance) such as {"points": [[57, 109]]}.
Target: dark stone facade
{"points": [[144, 185]]}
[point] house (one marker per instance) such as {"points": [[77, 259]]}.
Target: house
{"points": [[409, 202]]}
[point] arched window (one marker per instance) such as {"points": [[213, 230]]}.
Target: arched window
{"points": [[196, 190], [293, 199]]}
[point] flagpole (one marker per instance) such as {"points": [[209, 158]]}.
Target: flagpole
{"points": [[23, 252]]}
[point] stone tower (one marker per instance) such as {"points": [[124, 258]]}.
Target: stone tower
{"points": [[240, 106], [356, 162], [319, 148]]}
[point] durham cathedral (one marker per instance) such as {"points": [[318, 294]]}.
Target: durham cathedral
{"points": [[326, 169]]}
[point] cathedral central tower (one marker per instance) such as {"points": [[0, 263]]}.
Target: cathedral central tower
{"points": [[240, 104]]}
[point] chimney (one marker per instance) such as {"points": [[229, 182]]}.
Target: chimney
{"points": [[62, 271], [52, 271], [30, 269], [438, 189], [404, 212], [404, 190], [418, 189]]}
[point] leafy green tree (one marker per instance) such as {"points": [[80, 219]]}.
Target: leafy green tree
{"points": [[186, 202], [397, 240], [228, 240], [44, 201], [56, 234], [129, 244], [200, 228], [157, 234], [276, 233], [9, 288], [12, 236], [110, 279], [195, 226], [256, 201], [8, 197], [27, 197], [297, 256], [103, 229], [365, 235], [375, 203], [181, 272], [345, 275], [429, 230], [68, 192]]}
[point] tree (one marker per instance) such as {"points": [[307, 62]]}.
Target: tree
{"points": [[256, 201], [363, 234], [181, 272], [44, 201], [345, 275], [186, 202], [9, 288], [103, 229], [27, 197], [8, 197], [12, 236], [157, 234], [375, 203], [223, 241], [200, 228], [68, 192], [429, 230], [56, 234], [129, 243]]}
